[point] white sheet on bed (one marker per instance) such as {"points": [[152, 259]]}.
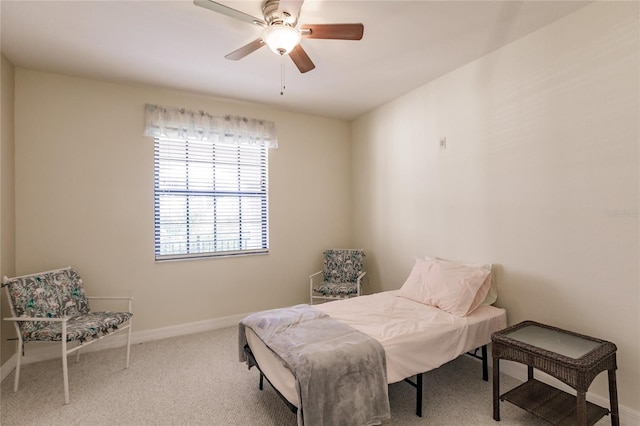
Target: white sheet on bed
{"points": [[416, 338]]}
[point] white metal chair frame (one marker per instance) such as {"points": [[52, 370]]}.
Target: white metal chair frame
{"points": [[65, 351]]}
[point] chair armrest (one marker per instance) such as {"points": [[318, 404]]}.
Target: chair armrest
{"points": [[312, 276], [359, 282], [37, 319], [109, 298]]}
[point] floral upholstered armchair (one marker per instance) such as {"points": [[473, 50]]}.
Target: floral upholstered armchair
{"points": [[341, 276], [52, 307]]}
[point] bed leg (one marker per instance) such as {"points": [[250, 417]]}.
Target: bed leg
{"points": [[261, 381], [485, 364], [419, 394]]}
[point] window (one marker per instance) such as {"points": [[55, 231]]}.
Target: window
{"points": [[211, 198]]}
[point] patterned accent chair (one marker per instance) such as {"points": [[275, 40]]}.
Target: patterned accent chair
{"points": [[341, 276], [52, 307]]}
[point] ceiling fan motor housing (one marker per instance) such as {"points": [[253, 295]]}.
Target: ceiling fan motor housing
{"points": [[273, 14]]}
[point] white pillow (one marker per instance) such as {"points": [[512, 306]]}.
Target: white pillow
{"points": [[453, 287], [492, 294], [412, 288]]}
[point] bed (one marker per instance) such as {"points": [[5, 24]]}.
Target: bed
{"points": [[416, 337]]}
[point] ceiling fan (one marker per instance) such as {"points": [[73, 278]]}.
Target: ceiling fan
{"points": [[281, 33]]}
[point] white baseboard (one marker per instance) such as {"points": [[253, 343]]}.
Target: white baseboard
{"points": [[36, 352], [628, 416]]}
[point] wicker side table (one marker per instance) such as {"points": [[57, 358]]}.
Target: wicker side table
{"points": [[570, 357]]}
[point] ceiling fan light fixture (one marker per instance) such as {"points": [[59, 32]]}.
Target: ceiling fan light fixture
{"points": [[281, 38]]}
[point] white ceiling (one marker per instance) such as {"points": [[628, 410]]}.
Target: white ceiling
{"points": [[179, 45]]}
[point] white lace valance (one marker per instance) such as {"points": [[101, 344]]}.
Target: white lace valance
{"points": [[179, 123]]}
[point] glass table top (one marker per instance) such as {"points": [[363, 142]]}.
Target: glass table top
{"points": [[554, 341]]}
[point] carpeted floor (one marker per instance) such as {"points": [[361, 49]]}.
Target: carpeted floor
{"points": [[197, 380]]}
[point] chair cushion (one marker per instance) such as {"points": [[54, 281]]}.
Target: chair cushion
{"points": [[342, 266], [51, 294], [33, 296], [73, 300], [336, 289], [80, 327]]}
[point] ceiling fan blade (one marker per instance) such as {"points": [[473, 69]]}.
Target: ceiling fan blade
{"points": [[226, 10], [333, 31], [301, 59], [245, 50]]}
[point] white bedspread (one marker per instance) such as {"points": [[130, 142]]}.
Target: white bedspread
{"points": [[416, 338]]}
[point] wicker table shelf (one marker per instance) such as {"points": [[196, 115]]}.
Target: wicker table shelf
{"points": [[553, 405], [570, 357]]}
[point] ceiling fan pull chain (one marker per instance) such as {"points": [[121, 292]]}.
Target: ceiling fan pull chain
{"points": [[282, 86]]}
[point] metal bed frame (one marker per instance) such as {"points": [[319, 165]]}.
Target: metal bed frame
{"points": [[418, 384]]}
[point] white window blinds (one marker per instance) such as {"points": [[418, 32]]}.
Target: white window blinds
{"points": [[210, 199]]}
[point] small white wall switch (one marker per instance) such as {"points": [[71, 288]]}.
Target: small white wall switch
{"points": [[443, 143]]}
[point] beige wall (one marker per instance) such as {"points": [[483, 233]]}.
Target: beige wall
{"points": [[540, 176], [7, 216], [84, 197]]}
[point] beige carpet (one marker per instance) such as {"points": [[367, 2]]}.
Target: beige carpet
{"points": [[197, 380]]}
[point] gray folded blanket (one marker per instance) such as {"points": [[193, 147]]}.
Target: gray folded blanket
{"points": [[341, 373]]}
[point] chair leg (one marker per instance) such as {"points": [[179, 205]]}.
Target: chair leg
{"points": [[78, 356], [65, 370], [128, 343], [16, 381]]}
